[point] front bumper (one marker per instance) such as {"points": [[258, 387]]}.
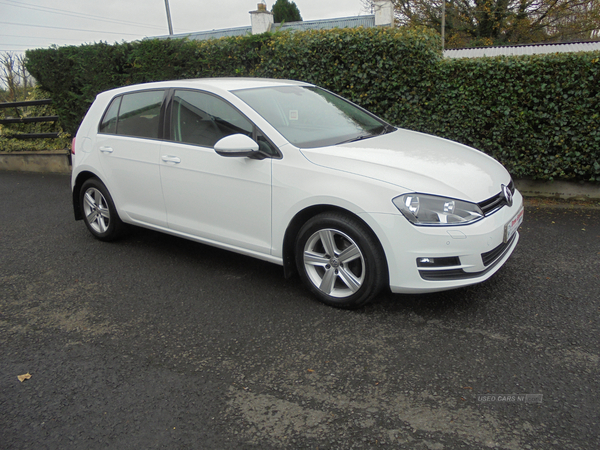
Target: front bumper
{"points": [[430, 259]]}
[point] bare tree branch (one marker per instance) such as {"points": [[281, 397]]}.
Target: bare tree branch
{"points": [[14, 78], [488, 22]]}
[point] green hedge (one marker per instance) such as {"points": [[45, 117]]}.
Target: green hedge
{"points": [[75, 75], [538, 115], [383, 70]]}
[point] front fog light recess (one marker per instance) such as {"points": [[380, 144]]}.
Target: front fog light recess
{"points": [[438, 262], [424, 209]]}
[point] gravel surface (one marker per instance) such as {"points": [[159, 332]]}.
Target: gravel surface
{"points": [[156, 342]]}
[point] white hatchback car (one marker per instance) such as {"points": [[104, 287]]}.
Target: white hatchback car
{"points": [[287, 172]]}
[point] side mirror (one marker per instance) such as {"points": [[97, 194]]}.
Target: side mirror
{"points": [[237, 145]]}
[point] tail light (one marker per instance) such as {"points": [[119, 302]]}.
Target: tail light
{"points": [[73, 146]]}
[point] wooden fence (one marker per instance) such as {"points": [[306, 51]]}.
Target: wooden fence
{"points": [[11, 120]]}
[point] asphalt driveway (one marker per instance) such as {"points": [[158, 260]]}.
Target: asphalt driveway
{"points": [[157, 342]]}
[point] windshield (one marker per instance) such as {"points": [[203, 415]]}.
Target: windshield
{"points": [[312, 117]]}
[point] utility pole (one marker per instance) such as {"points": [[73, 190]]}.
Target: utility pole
{"points": [[443, 23], [169, 17]]}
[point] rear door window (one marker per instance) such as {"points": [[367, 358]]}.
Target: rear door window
{"points": [[136, 114]]}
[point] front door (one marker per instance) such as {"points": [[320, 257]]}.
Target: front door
{"points": [[225, 200]]}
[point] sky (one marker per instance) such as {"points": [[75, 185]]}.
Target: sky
{"points": [[28, 24]]}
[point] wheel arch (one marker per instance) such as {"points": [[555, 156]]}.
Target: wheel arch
{"points": [[291, 233], [82, 177]]}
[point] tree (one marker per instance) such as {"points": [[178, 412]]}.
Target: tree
{"points": [[14, 78], [503, 22], [284, 11]]}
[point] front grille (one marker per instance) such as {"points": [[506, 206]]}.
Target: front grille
{"points": [[493, 204]]}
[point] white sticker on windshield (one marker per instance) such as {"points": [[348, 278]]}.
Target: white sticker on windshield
{"points": [[293, 114]]}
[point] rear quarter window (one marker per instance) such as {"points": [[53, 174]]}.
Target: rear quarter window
{"points": [[109, 121]]}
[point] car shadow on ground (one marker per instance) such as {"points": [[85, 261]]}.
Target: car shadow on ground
{"points": [[151, 244]]}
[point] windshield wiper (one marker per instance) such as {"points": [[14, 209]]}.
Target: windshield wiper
{"points": [[360, 137], [384, 130]]}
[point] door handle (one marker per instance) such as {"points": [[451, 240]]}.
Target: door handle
{"points": [[171, 159], [106, 149]]}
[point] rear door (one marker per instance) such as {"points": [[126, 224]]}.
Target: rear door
{"points": [[224, 200], [129, 142]]}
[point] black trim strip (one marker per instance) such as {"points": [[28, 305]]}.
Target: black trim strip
{"points": [[489, 257], [460, 274]]}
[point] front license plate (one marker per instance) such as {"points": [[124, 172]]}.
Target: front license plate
{"points": [[513, 225]]}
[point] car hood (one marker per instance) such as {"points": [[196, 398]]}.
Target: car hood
{"points": [[417, 162]]}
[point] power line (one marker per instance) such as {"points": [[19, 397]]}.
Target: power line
{"points": [[33, 37], [76, 14], [70, 29], [17, 45], [28, 46]]}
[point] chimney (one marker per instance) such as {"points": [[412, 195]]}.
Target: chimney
{"points": [[384, 13], [261, 19]]}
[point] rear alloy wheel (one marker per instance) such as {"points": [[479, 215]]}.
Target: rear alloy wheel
{"points": [[99, 212], [339, 260]]}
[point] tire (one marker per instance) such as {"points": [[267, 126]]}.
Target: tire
{"points": [[340, 260], [99, 212]]}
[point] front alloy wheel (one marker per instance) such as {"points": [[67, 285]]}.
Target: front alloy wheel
{"points": [[340, 260], [334, 263]]}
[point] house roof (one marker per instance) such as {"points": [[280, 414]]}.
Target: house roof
{"points": [[530, 49], [367, 21], [212, 34]]}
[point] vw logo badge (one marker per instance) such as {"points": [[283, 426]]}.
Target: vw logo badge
{"points": [[507, 195]]}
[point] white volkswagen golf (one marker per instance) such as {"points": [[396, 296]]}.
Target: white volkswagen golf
{"points": [[290, 173]]}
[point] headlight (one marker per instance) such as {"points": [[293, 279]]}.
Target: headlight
{"points": [[422, 209]]}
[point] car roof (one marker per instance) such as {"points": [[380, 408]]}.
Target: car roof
{"points": [[224, 84]]}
